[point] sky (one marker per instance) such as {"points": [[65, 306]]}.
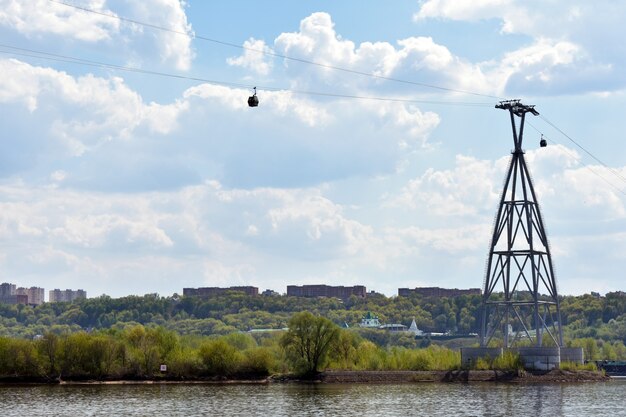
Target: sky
{"points": [[130, 162]]}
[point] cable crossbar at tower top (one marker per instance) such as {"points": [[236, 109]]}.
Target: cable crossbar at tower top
{"points": [[273, 54], [99, 64]]}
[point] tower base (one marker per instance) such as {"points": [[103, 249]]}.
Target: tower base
{"points": [[533, 358]]}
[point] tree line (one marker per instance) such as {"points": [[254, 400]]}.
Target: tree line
{"points": [[602, 319], [311, 344]]}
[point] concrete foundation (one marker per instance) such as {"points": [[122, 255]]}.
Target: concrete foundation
{"points": [[539, 358], [470, 355], [574, 355], [534, 358]]}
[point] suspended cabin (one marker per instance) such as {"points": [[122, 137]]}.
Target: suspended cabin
{"points": [[543, 143], [253, 100]]}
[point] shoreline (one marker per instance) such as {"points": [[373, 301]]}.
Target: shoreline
{"points": [[348, 377]]}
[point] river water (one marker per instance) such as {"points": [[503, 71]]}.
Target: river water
{"points": [[362, 400]]}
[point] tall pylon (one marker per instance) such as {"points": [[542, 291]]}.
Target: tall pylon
{"points": [[520, 298]]}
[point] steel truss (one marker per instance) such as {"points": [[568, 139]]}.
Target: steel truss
{"points": [[520, 297]]}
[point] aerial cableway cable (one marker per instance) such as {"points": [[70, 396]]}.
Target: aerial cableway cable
{"points": [[13, 50], [274, 54], [17, 51], [579, 159], [616, 173]]}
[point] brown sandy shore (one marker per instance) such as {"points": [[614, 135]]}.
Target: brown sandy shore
{"points": [[359, 377]]}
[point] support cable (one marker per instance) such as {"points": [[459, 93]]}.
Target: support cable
{"points": [[579, 160], [272, 54], [99, 64], [620, 176]]}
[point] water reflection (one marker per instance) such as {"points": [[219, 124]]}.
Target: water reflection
{"points": [[487, 399]]}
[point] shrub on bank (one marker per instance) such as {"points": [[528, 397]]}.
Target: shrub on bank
{"points": [[508, 361], [573, 366], [219, 358]]}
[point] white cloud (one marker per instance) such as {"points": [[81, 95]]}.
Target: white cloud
{"points": [[470, 10], [468, 189], [88, 109], [252, 58], [450, 240], [38, 18], [562, 53], [108, 234], [35, 17], [317, 41], [546, 64], [175, 44]]}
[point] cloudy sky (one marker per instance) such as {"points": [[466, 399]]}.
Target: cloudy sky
{"points": [[130, 162]]}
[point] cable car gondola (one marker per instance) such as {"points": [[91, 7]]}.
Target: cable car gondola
{"points": [[253, 100], [543, 143]]}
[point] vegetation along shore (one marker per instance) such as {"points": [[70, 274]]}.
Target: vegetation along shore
{"points": [[239, 337]]}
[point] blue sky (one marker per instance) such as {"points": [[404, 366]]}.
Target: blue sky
{"points": [[124, 182]]}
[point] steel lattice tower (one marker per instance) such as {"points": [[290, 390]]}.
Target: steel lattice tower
{"points": [[520, 298]]}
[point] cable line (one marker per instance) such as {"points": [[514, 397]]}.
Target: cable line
{"points": [[612, 170], [99, 64], [579, 160], [273, 54]]}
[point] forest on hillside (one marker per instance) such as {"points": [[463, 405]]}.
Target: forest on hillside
{"points": [[587, 316]]}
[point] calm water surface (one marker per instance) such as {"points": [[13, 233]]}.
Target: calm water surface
{"points": [[484, 399]]}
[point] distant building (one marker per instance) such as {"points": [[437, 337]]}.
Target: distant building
{"points": [[370, 321], [65, 296], [270, 293], [207, 292], [7, 289], [413, 329], [36, 295], [8, 295], [393, 327], [326, 291], [437, 292]]}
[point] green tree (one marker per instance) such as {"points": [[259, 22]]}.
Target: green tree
{"points": [[48, 347], [308, 341]]}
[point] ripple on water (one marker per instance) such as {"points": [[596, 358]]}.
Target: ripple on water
{"points": [[359, 400]]}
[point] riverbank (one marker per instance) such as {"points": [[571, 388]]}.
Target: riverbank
{"points": [[460, 376], [351, 377]]}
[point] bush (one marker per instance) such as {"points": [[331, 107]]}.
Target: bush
{"points": [[219, 358], [573, 366], [258, 361], [508, 361]]}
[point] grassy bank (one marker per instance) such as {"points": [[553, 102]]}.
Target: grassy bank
{"points": [[137, 353]]}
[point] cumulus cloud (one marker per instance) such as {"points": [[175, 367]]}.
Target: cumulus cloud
{"points": [[85, 111], [548, 64], [175, 44], [317, 41], [447, 240], [99, 182], [42, 16], [205, 224], [563, 53], [468, 189], [254, 57], [38, 18], [103, 121]]}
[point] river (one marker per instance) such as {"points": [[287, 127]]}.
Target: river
{"points": [[275, 400]]}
